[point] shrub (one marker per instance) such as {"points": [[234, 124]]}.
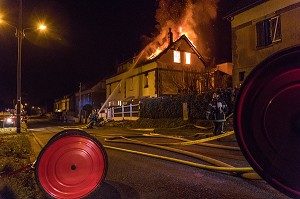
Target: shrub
{"points": [[171, 106]]}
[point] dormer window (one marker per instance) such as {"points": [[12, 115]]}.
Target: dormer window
{"points": [[176, 56], [188, 58]]}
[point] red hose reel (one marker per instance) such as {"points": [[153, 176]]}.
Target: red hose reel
{"points": [[73, 164], [267, 120]]}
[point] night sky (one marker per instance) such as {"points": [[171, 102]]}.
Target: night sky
{"points": [[85, 40]]}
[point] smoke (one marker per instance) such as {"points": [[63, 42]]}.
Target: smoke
{"points": [[189, 17]]}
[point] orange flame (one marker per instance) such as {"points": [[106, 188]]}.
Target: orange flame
{"points": [[153, 55], [177, 35]]}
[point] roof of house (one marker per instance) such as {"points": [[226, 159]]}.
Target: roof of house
{"points": [[170, 46], [182, 37], [242, 6]]}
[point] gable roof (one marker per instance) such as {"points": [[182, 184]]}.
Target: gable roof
{"points": [[173, 44], [242, 6]]}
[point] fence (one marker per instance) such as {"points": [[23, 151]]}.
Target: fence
{"points": [[124, 112]]}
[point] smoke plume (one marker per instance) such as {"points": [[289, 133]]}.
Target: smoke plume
{"points": [[189, 17]]}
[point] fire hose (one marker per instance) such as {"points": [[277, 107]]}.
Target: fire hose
{"points": [[246, 172]]}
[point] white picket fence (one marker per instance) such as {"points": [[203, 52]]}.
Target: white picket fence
{"points": [[124, 112]]}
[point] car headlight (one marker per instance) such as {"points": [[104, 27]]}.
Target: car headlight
{"points": [[9, 120]]}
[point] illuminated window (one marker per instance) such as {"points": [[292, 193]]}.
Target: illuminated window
{"points": [[188, 58], [119, 103], [176, 56]]}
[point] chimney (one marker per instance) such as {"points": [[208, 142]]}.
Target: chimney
{"points": [[170, 36]]}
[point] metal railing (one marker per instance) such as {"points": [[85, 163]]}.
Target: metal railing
{"points": [[124, 112]]}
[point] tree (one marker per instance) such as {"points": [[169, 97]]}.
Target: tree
{"points": [[185, 79]]}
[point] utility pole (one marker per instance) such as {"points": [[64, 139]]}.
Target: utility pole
{"points": [[19, 63]]}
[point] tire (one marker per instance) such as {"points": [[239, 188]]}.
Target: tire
{"points": [[267, 120]]}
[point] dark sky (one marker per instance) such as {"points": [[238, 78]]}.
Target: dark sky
{"points": [[83, 42]]}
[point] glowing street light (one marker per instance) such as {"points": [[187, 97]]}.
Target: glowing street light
{"points": [[42, 27], [20, 34]]}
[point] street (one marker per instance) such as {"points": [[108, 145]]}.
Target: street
{"points": [[137, 176]]}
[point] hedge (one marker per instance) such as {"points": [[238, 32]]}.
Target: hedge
{"points": [[171, 106]]}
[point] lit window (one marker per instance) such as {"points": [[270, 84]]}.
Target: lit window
{"points": [[176, 56], [188, 58], [119, 103]]}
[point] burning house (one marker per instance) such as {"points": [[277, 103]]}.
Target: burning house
{"points": [[178, 69], [171, 63]]}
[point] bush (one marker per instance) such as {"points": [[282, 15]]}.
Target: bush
{"points": [[171, 106]]}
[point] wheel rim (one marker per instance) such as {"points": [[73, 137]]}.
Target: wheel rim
{"points": [[267, 120], [72, 166]]}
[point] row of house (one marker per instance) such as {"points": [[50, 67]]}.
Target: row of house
{"points": [[259, 29], [179, 69]]}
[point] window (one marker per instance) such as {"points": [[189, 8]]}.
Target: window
{"points": [[188, 58], [268, 31], [241, 76], [109, 89], [146, 80], [120, 87], [125, 91], [119, 103], [131, 84], [176, 56]]}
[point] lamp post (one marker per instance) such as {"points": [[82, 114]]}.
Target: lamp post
{"points": [[19, 66], [20, 34]]}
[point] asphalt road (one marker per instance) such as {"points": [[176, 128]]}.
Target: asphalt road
{"points": [[136, 176]]}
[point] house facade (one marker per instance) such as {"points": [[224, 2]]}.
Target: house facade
{"points": [[178, 69], [65, 104], [259, 29], [92, 94]]}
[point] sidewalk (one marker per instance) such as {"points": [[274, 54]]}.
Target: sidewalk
{"points": [[35, 146]]}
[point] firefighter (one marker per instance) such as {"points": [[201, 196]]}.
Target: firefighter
{"points": [[216, 112], [93, 119]]}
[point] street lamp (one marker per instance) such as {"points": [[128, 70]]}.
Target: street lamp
{"points": [[20, 34]]}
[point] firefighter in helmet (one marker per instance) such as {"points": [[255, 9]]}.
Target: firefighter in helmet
{"points": [[216, 112], [93, 119]]}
